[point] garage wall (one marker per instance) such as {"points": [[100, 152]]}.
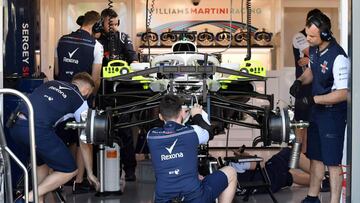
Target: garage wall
{"points": [[50, 31]]}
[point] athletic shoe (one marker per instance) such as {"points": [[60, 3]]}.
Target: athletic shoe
{"points": [[311, 200], [83, 187]]}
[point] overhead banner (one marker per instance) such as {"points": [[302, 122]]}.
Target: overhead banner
{"points": [[213, 15]]}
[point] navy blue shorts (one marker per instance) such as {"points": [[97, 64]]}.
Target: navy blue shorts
{"points": [[277, 168], [68, 136], [326, 135], [211, 187], [50, 149]]}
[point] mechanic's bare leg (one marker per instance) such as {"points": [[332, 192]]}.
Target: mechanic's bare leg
{"points": [[317, 170], [304, 163], [52, 182], [227, 195], [299, 177], [42, 172], [80, 165], [336, 179]]}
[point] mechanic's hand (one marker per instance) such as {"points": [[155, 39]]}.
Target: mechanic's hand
{"points": [[295, 88], [114, 24], [303, 61], [196, 109], [94, 181]]}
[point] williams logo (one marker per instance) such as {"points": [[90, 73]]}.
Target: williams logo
{"points": [[324, 67], [171, 155], [63, 88]]}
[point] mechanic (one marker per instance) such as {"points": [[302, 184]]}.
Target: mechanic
{"points": [[174, 149], [53, 102], [328, 73], [278, 171], [77, 52], [80, 52], [123, 50], [301, 56]]}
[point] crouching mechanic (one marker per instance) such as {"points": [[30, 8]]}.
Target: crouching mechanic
{"points": [[53, 102], [174, 149]]}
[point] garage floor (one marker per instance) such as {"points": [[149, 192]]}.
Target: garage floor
{"points": [[142, 190], [143, 193]]}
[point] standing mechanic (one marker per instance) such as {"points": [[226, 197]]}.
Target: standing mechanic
{"points": [[301, 56], [78, 52], [53, 102], [328, 72], [117, 45], [174, 150], [123, 48]]}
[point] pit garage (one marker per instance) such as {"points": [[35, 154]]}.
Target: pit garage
{"points": [[99, 101]]}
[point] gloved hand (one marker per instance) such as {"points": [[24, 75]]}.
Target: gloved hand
{"points": [[307, 100], [295, 88]]}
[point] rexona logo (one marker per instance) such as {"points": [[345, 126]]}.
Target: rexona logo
{"points": [[171, 155], [58, 90]]}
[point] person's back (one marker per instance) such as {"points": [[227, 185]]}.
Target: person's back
{"points": [[173, 150], [75, 54], [80, 52], [174, 157], [62, 99], [52, 102]]}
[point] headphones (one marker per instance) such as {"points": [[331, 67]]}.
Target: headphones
{"points": [[98, 26], [325, 33]]}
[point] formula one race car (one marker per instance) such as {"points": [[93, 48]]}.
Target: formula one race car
{"points": [[132, 99]]}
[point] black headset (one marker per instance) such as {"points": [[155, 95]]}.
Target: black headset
{"points": [[98, 26], [325, 32]]}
